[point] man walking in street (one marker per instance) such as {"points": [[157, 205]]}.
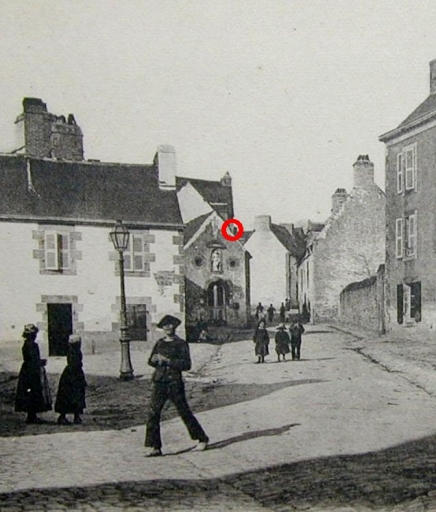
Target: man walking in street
{"points": [[296, 329], [170, 357]]}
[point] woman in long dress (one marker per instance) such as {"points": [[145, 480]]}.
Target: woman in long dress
{"points": [[261, 340], [70, 398], [33, 393]]}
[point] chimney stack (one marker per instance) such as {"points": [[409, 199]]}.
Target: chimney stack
{"points": [[262, 223], [165, 160], [363, 172], [338, 199], [433, 76]]}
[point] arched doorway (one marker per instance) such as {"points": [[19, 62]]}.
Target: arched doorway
{"points": [[217, 299]]}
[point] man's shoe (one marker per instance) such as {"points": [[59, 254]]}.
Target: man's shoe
{"points": [[201, 446], [63, 421], [153, 452]]}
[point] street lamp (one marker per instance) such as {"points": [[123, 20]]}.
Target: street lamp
{"points": [[120, 239]]}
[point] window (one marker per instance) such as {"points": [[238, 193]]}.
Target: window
{"points": [[411, 231], [406, 169], [56, 250], [399, 238], [134, 254], [137, 321]]}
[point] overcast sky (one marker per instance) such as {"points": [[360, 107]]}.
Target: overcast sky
{"points": [[282, 94]]}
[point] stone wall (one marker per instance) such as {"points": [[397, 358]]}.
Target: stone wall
{"points": [[362, 303], [350, 248]]}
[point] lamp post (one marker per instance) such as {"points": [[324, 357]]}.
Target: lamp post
{"points": [[120, 239]]}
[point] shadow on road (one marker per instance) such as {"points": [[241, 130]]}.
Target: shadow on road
{"points": [[112, 404], [252, 435], [382, 480]]}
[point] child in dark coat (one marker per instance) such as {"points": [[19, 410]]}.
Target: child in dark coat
{"points": [[296, 330], [70, 398], [282, 342]]}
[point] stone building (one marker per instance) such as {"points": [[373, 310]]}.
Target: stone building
{"points": [[217, 271], [217, 275], [275, 250], [411, 218], [58, 266], [348, 248]]}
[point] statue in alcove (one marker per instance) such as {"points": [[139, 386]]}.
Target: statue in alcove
{"points": [[216, 261]]}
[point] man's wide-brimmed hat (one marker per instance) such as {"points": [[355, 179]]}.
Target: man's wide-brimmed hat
{"points": [[30, 329], [74, 338], [281, 327], [169, 320]]}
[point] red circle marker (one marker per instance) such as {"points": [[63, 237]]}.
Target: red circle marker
{"points": [[239, 233]]}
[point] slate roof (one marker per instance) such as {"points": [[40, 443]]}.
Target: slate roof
{"points": [[245, 236], [425, 111], [193, 226], [213, 192], [83, 190], [292, 243], [428, 106]]}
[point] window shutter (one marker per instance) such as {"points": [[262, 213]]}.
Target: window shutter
{"points": [[138, 253], [400, 178], [411, 235], [400, 303], [415, 302], [63, 250], [399, 238], [51, 252], [410, 168]]}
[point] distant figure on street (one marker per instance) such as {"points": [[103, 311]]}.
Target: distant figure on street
{"points": [[261, 340], [70, 398], [296, 329], [287, 304], [33, 393], [282, 313], [271, 311], [170, 357], [259, 311], [282, 342]]}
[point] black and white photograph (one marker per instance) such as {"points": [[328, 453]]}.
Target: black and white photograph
{"points": [[218, 256]]}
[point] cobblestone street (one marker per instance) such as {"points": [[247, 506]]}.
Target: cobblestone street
{"points": [[334, 431]]}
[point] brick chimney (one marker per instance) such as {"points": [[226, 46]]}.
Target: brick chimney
{"points": [[165, 161], [47, 135], [433, 76], [363, 172], [338, 199]]}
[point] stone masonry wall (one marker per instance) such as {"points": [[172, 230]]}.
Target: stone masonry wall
{"points": [[350, 248], [362, 303]]}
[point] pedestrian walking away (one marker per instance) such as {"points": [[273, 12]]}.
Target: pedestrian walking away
{"points": [[282, 342], [33, 392], [170, 357], [271, 311], [259, 311], [70, 398], [296, 329], [282, 313], [261, 340]]}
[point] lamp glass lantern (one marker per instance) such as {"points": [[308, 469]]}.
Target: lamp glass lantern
{"points": [[120, 236]]}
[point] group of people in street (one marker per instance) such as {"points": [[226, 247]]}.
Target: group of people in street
{"points": [[33, 394], [270, 312], [282, 339], [169, 357]]}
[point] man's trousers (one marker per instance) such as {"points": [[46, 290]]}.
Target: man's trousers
{"points": [[174, 391]]}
